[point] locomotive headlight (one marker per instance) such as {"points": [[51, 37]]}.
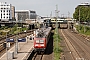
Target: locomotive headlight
{"points": [[42, 44], [41, 41]]}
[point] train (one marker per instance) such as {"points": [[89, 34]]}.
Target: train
{"points": [[64, 24], [41, 39], [61, 23]]}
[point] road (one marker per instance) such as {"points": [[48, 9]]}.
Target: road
{"points": [[75, 46]]}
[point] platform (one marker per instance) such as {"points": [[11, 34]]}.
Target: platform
{"points": [[24, 50]]}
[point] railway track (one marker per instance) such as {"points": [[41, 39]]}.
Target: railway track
{"points": [[47, 55], [81, 47], [3, 40], [73, 51], [38, 56], [1, 48]]}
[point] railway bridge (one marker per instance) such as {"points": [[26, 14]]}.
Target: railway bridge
{"points": [[62, 23], [20, 24]]}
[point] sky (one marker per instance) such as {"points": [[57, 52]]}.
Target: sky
{"points": [[45, 7]]}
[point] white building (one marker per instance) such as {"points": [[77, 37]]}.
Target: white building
{"points": [[25, 14], [5, 11]]}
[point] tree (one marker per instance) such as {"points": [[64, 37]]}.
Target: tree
{"points": [[84, 13]]}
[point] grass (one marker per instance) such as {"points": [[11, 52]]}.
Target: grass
{"points": [[57, 49], [13, 30], [83, 29]]}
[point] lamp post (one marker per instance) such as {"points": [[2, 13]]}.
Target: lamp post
{"points": [[6, 31]]}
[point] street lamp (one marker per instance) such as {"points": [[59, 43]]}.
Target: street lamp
{"points": [[6, 31]]}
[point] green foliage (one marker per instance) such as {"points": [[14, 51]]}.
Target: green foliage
{"points": [[3, 27], [57, 49], [23, 29], [83, 29], [15, 27], [13, 30], [84, 13]]}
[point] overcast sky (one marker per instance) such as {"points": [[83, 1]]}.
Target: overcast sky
{"points": [[44, 7]]}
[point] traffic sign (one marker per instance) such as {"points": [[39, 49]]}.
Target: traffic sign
{"points": [[10, 40], [22, 40]]}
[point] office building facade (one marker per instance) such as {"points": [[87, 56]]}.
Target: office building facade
{"points": [[5, 11], [13, 13], [25, 14]]}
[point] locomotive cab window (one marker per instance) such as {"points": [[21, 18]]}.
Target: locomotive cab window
{"points": [[37, 41], [41, 41]]}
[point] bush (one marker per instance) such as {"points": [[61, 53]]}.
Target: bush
{"points": [[83, 29]]}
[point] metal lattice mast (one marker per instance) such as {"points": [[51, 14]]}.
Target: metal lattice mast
{"points": [[57, 25]]}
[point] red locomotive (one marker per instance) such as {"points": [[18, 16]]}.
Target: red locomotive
{"points": [[41, 39]]}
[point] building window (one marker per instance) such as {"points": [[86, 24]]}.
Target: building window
{"points": [[1, 5], [7, 10], [4, 17], [7, 17], [1, 16], [3, 10], [4, 14]]}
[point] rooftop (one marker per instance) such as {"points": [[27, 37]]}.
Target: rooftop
{"points": [[85, 3], [23, 10]]}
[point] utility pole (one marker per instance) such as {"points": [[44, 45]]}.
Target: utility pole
{"points": [[57, 25], [21, 22], [6, 31], [16, 42], [56, 16], [6, 46], [79, 20], [79, 16], [50, 18], [68, 14], [51, 15]]}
